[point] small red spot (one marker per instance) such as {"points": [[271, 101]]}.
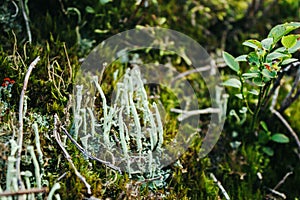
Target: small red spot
{"points": [[267, 66]]}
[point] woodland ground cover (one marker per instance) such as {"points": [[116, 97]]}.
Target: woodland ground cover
{"points": [[256, 157]]}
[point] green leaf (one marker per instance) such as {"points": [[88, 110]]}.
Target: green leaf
{"points": [[282, 29], [268, 151], [229, 60], [242, 58], [253, 59], [288, 61], [264, 125], [161, 20], [289, 41], [280, 138], [280, 49], [240, 96], [252, 43], [233, 82], [89, 9], [264, 137], [268, 74], [258, 81], [254, 92], [295, 48], [250, 75], [103, 2], [276, 55], [267, 43]]}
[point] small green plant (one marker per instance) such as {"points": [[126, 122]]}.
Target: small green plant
{"points": [[269, 57], [265, 136]]}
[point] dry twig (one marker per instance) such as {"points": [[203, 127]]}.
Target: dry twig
{"points": [[288, 127], [80, 148], [28, 191], [277, 193], [21, 115], [220, 186], [68, 157], [186, 114], [283, 180]]}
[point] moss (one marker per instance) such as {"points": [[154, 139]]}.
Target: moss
{"points": [[60, 39]]}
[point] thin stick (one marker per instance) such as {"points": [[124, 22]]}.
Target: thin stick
{"points": [[80, 148], [21, 192], [186, 73], [21, 115], [274, 99], [277, 193], [283, 180], [287, 126], [68, 157], [69, 64], [220, 186], [290, 97], [186, 114], [26, 21]]}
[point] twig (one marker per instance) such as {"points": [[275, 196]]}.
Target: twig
{"points": [[80, 148], [26, 21], [289, 99], [148, 180], [136, 10], [186, 114], [288, 127], [69, 64], [220, 186], [68, 157], [21, 115], [21, 192], [277, 193], [186, 73], [274, 99], [283, 180]]}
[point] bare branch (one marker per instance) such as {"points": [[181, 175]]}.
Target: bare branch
{"points": [[277, 193], [290, 98], [68, 157], [220, 186], [288, 127], [21, 192], [21, 115], [196, 70], [80, 148], [283, 180], [186, 114]]}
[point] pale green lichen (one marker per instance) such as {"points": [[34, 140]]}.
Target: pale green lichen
{"points": [[130, 120]]}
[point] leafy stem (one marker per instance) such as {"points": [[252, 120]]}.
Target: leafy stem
{"points": [[264, 62]]}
